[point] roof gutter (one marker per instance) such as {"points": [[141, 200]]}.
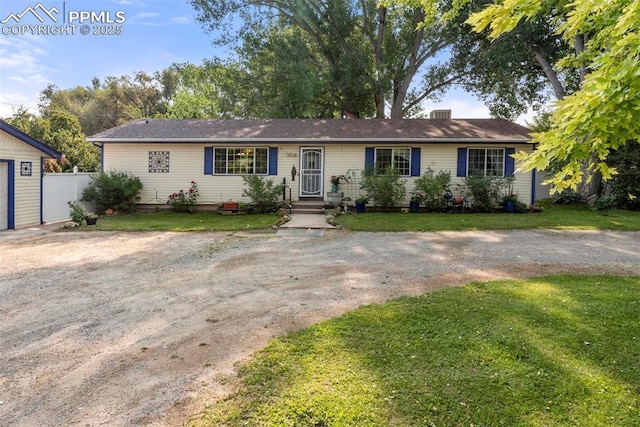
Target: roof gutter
{"points": [[305, 140]]}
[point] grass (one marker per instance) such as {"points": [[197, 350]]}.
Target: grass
{"points": [[568, 217], [550, 351], [172, 221]]}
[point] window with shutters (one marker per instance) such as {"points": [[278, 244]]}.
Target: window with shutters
{"points": [[241, 161], [396, 157], [485, 161]]}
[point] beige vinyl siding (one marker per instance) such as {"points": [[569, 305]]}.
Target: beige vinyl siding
{"points": [[27, 188], [187, 163], [445, 157]]}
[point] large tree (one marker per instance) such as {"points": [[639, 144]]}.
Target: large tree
{"points": [[114, 100], [359, 48], [61, 130], [601, 115], [517, 71]]}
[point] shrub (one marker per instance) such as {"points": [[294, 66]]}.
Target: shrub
{"points": [[486, 192], [76, 211], [386, 190], [607, 202], [264, 193], [567, 197], [626, 183], [430, 186], [184, 201], [113, 190]]}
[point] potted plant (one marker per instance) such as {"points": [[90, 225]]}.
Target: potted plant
{"points": [[91, 218], [414, 202], [361, 203], [335, 182], [509, 203], [230, 205]]}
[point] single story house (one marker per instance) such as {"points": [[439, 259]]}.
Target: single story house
{"points": [[304, 154], [21, 172]]}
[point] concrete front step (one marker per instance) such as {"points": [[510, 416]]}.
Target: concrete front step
{"points": [[308, 207], [313, 211]]}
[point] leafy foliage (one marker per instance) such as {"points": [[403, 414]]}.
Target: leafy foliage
{"points": [[486, 192], [567, 197], [327, 58], [76, 211], [625, 186], [113, 101], [431, 186], [113, 190], [184, 201], [263, 192], [386, 190], [60, 130], [601, 115]]}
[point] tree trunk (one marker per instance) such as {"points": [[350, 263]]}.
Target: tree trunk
{"points": [[541, 58], [591, 186]]}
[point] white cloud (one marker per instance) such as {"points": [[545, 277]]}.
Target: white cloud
{"points": [[145, 15], [23, 62], [181, 20]]}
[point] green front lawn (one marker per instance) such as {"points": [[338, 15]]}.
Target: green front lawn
{"points": [[572, 217], [172, 221], [568, 217], [550, 351]]}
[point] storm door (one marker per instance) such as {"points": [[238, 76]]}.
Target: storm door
{"points": [[311, 169]]}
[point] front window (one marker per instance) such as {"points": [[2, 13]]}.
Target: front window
{"points": [[240, 161], [486, 161], [398, 158]]}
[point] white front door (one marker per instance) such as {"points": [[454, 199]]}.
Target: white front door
{"points": [[4, 195], [311, 171]]}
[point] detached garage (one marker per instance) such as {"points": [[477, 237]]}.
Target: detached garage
{"points": [[21, 172]]}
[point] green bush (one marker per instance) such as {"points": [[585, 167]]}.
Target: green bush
{"points": [[113, 190], [567, 197], [76, 211], [486, 192], [386, 190], [264, 193], [430, 187], [184, 201], [626, 183]]}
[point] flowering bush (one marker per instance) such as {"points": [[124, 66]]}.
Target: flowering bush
{"points": [[184, 201]]}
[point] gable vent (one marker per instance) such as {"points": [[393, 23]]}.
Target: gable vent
{"points": [[440, 114]]}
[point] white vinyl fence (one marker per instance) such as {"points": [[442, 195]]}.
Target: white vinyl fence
{"points": [[60, 188], [542, 191]]}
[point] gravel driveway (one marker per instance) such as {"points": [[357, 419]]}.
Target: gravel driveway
{"points": [[101, 328]]}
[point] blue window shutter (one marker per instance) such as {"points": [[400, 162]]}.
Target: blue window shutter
{"points": [[462, 162], [415, 161], [208, 160], [369, 158], [509, 162], [273, 160]]}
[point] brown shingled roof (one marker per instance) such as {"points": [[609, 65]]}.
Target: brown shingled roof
{"points": [[309, 130]]}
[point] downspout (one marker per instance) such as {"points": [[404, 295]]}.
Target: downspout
{"points": [[11, 195], [41, 190], [533, 186]]}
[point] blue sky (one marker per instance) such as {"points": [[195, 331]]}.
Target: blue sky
{"points": [[155, 34]]}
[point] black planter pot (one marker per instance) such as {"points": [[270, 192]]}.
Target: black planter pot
{"points": [[360, 207], [414, 207], [91, 221]]}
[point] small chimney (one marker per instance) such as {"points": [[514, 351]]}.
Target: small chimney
{"points": [[440, 114]]}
